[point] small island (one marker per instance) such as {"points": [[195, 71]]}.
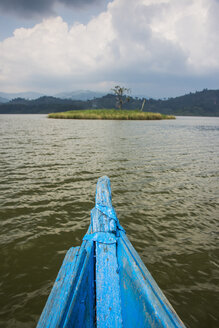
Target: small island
{"points": [[110, 114]]}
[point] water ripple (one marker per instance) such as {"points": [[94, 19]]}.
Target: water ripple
{"points": [[164, 178]]}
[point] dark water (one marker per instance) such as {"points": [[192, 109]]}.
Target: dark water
{"points": [[164, 177]]}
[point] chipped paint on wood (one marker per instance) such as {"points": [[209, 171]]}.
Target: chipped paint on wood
{"points": [[108, 298], [104, 283], [71, 300]]}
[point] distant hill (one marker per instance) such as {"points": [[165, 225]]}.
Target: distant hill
{"points": [[3, 100], [74, 95], [203, 103], [42, 105], [80, 95], [26, 95]]}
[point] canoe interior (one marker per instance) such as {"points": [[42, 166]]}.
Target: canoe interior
{"points": [[104, 283]]}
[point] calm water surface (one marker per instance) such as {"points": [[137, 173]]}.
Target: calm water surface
{"points": [[164, 177]]}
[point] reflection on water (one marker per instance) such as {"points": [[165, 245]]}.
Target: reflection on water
{"points": [[164, 177]]}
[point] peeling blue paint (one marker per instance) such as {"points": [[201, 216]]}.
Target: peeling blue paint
{"points": [[101, 237], [104, 283]]}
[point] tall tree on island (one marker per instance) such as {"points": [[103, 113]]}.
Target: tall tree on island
{"points": [[121, 95]]}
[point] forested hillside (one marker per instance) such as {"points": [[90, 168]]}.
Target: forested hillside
{"points": [[204, 103]]}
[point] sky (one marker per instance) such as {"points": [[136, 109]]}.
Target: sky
{"points": [[157, 48]]}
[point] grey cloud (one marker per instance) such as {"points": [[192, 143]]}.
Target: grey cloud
{"points": [[131, 50], [30, 8]]}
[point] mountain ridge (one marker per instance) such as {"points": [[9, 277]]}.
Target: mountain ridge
{"points": [[31, 95]]}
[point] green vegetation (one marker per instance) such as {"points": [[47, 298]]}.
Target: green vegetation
{"points": [[204, 103], [110, 114]]}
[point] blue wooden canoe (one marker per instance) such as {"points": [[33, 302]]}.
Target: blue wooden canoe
{"points": [[104, 283]]}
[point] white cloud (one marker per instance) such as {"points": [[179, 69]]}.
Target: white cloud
{"points": [[134, 41]]}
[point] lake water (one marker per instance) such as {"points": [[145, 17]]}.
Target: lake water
{"points": [[164, 178]]}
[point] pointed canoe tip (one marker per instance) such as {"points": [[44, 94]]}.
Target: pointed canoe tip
{"points": [[103, 191], [103, 178]]}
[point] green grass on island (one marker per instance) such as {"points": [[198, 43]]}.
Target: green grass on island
{"points": [[110, 114]]}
